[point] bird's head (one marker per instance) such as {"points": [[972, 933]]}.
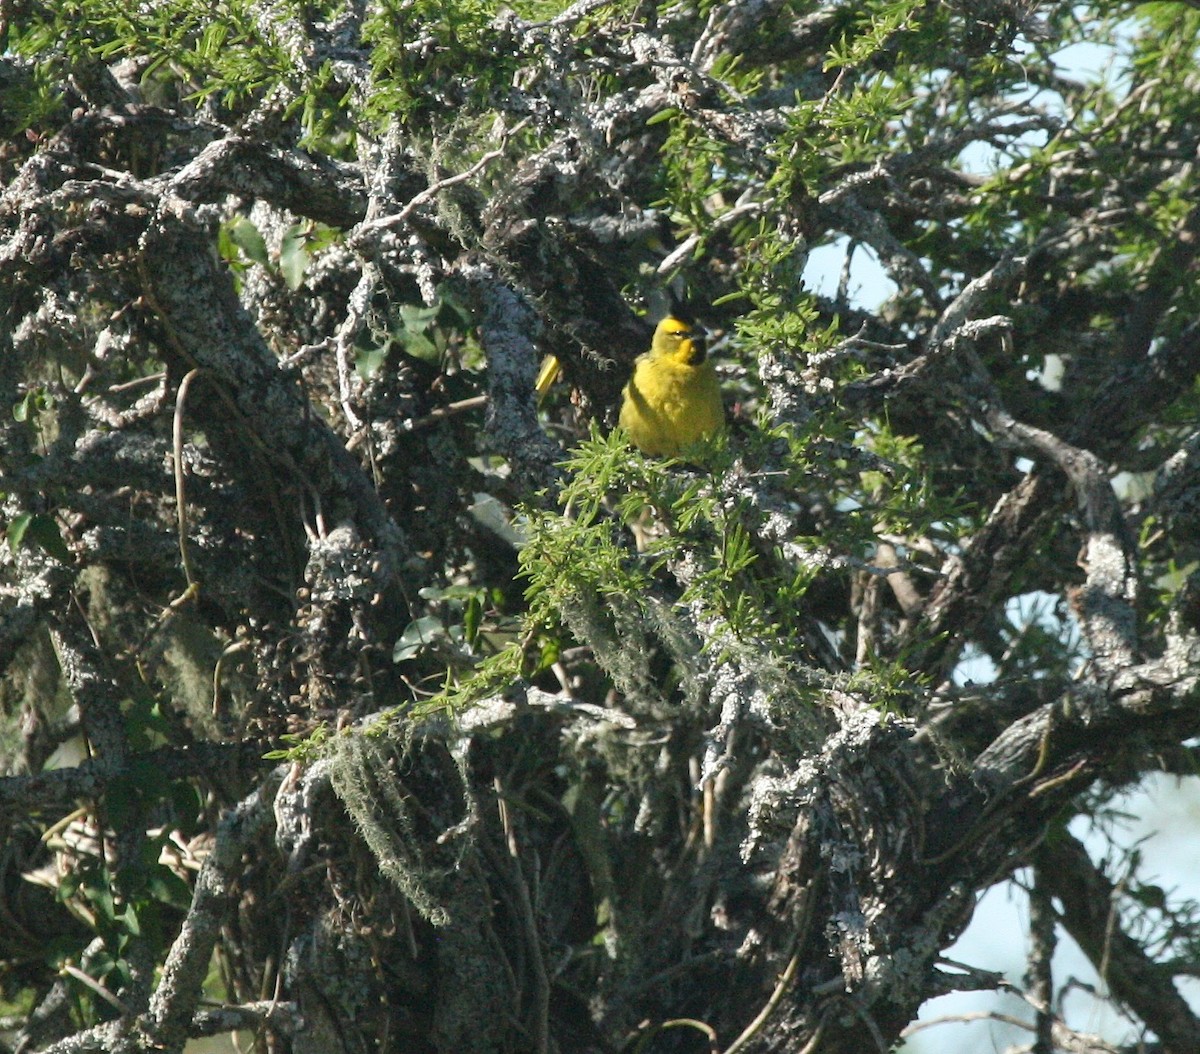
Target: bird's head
{"points": [[681, 339]]}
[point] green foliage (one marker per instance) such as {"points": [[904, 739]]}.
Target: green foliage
{"points": [[28, 528], [35, 402], [28, 103], [436, 334], [198, 50], [551, 557], [1164, 920], [705, 550], [878, 24], [415, 331], [1041, 640], [695, 169], [303, 747], [456, 631], [135, 907], [433, 54], [242, 245]]}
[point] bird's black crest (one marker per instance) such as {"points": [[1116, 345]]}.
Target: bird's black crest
{"points": [[683, 310]]}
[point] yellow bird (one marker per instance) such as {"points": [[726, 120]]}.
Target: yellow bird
{"points": [[674, 397]]}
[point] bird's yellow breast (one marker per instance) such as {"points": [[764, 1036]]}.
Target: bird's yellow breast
{"points": [[674, 396]]}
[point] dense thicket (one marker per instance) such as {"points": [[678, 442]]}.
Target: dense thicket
{"points": [[354, 701]]}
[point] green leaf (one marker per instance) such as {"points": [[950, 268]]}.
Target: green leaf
{"points": [[35, 399], [17, 528], [367, 361], [246, 237], [415, 322], [417, 316], [212, 40], [168, 888], [472, 618], [68, 885], [293, 257], [420, 346], [39, 530], [45, 531], [416, 636], [133, 924], [550, 650], [304, 746], [99, 894]]}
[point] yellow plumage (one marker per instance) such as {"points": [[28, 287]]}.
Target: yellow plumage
{"points": [[674, 396], [546, 377]]}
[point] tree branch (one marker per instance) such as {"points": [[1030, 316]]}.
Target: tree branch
{"points": [[167, 1025]]}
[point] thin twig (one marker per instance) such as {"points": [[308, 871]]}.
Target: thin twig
{"points": [[180, 498], [385, 223], [96, 987], [442, 412], [540, 1025], [781, 987]]}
